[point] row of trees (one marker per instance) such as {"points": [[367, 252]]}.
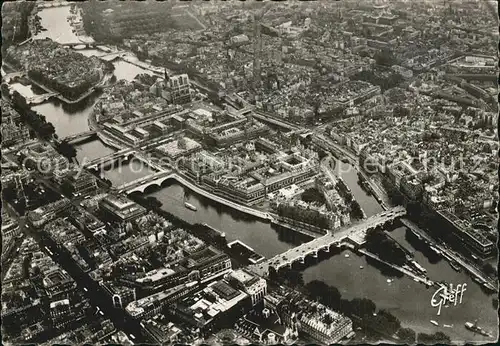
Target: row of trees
{"points": [[63, 88], [361, 310], [378, 243], [356, 211], [36, 121]]}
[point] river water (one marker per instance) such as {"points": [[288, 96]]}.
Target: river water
{"points": [[406, 299], [73, 119]]}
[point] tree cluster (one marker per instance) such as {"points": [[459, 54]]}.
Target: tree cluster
{"points": [[378, 243], [356, 211], [35, 120], [67, 150], [385, 57], [436, 338], [65, 90], [430, 137], [360, 308], [488, 269], [407, 335], [385, 83], [400, 111], [312, 195]]}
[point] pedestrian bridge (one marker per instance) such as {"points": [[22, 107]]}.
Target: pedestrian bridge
{"points": [[326, 242]]}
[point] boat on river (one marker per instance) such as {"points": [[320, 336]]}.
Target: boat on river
{"points": [[476, 329], [434, 323], [436, 250], [455, 266], [190, 206]]}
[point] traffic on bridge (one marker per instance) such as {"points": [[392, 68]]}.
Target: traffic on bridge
{"points": [[103, 160], [354, 232]]}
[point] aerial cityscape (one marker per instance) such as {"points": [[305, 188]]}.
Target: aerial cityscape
{"points": [[249, 172]]}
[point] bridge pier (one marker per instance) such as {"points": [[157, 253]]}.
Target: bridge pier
{"points": [[315, 254]]}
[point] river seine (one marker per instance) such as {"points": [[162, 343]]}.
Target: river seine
{"points": [[406, 299]]}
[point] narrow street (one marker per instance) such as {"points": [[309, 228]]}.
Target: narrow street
{"points": [[95, 292]]}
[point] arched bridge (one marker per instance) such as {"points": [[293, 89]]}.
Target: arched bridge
{"points": [[7, 77], [79, 136], [143, 183], [45, 4], [81, 43], [325, 242], [41, 98], [96, 163]]}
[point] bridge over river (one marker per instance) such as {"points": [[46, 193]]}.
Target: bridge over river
{"points": [[355, 233], [79, 136], [101, 161], [141, 184], [37, 99]]}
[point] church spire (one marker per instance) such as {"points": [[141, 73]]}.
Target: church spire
{"points": [[166, 75]]}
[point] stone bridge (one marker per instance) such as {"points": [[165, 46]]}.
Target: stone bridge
{"points": [[143, 183], [37, 99], [326, 242], [96, 163], [79, 136]]}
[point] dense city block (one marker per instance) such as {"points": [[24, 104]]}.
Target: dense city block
{"points": [[249, 172]]}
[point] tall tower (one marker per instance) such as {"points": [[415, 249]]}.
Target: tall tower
{"points": [[166, 75], [20, 180]]}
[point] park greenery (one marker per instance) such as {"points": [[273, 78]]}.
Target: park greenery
{"points": [[378, 243], [385, 83], [34, 120], [362, 311], [312, 195]]}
